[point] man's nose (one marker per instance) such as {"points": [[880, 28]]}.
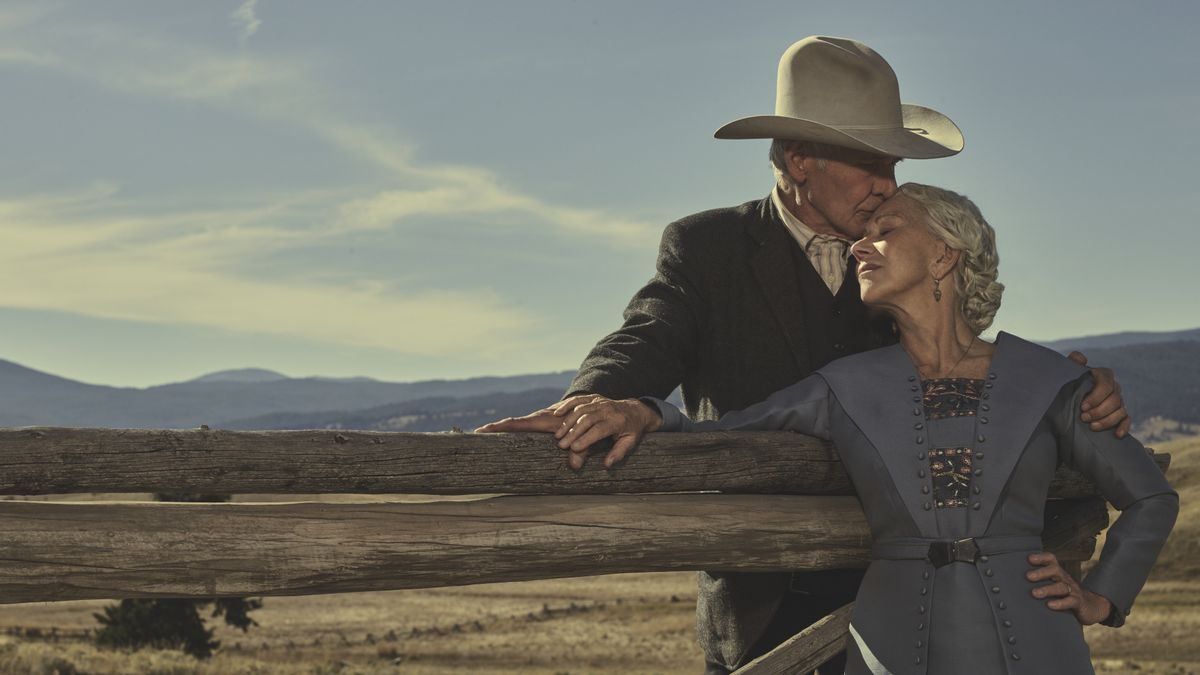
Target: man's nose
{"points": [[886, 186]]}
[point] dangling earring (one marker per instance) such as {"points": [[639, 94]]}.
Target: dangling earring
{"points": [[937, 290]]}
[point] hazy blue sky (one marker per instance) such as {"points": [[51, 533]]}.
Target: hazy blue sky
{"points": [[412, 190]]}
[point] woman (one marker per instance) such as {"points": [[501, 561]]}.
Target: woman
{"points": [[951, 443]]}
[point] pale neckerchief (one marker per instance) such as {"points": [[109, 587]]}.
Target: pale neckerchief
{"points": [[828, 254]]}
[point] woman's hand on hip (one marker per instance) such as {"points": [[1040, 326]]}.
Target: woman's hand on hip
{"points": [[586, 421], [1089, 607]]}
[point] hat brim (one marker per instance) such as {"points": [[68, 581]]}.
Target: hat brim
{"points": [[927, 133]]}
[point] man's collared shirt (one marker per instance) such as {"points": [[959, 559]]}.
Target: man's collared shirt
{"points": [[828, 254]]}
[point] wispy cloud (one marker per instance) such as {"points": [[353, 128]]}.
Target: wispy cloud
{"points": [[86, 251], [176, 270], [245, 20]]}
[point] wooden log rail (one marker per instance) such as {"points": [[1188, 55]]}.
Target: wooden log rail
{"points": [[39, 461], [591, 523]]}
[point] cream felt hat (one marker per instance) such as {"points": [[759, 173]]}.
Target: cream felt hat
{"points": [[839, 91]]}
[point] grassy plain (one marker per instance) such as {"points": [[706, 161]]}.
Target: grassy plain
{"points": [[631, 623]]}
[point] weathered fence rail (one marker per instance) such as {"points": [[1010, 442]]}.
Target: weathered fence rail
{"points": [[784, 506], [59, 461]]}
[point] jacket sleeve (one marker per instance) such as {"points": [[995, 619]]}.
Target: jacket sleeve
{"points": [[650, 352], [802, 407], [1129, 479]]}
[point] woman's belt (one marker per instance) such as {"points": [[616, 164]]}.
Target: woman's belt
{"points": [[943, 551]]}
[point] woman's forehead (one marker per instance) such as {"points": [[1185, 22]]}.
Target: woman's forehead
{"points": [[897, 206]]}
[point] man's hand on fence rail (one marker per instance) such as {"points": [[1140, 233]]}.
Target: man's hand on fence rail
{"points": [[580, 421]]}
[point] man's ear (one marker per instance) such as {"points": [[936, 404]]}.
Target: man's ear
{"points": [[795, 166]]}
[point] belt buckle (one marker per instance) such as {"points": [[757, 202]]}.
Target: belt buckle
{"points": [[943, 553]]}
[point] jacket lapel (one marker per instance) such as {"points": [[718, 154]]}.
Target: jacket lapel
{"points": [[774, 268], [1023, 382], [881, 392]]}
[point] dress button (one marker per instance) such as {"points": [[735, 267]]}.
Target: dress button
{"points": [[1015, 657], [837, 311], [987, 385], [920, 439], [913, 388], [975, 506], [920, 644], [912, 378], [995, 589], [921, 455], [983, 558], [1002, 605], [918, 660], [991, 376], [1012, 640], [983, 420], [921, 609], [1007, 623], [925, 574], [927, 505], [982, 438], [916, 412], [979, 455], [984, 407], [921, 626], [986, 395], [987, 572], [978, 472], [975, 489], [916, 399], [839, 347], [919, 426], [925, 490], [924, 590], [921, 473]]}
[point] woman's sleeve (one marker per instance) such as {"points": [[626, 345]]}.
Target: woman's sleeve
{"points": [[1129, 479], [802, 407]]}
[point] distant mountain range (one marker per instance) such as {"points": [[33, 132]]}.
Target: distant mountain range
{"points": [[1159, 373]]}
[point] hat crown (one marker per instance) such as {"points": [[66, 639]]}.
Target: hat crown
{"points": [[839, 82]]}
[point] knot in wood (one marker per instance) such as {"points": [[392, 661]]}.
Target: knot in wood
{"points": [[340, 439]]}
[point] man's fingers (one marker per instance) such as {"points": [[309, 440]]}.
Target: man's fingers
{"points": [[1123, 428], [538, 421], [596, 409], [594, 433], [624, 445], [1111, 420], [1078, 357], [578, 429], [567, 405], [1104, 386]]}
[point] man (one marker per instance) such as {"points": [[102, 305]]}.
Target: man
{"points": [[749, 299]]}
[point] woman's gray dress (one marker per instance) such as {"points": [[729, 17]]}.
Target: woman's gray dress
{"points": [[930, 607]]}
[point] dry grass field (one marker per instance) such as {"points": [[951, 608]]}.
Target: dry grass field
{"points": [[633, 623]]}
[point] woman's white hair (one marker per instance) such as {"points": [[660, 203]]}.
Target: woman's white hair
{"points": [[956, 220]]}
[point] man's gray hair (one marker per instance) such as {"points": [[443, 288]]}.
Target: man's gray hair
{"points": [[956, 220], [778, 156]]}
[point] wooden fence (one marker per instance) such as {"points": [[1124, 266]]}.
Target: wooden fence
{"points": [[762, 501]]}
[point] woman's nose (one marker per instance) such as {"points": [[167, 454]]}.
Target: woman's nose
{"points": [[860, 250]]}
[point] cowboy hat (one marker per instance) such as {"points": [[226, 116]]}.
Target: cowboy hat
{"points": [[840, 92]]}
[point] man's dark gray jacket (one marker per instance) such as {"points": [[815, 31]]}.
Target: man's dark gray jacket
{"points": [[734, 312]]}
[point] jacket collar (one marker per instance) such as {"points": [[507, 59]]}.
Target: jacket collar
{"points": [[877, 390]]}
